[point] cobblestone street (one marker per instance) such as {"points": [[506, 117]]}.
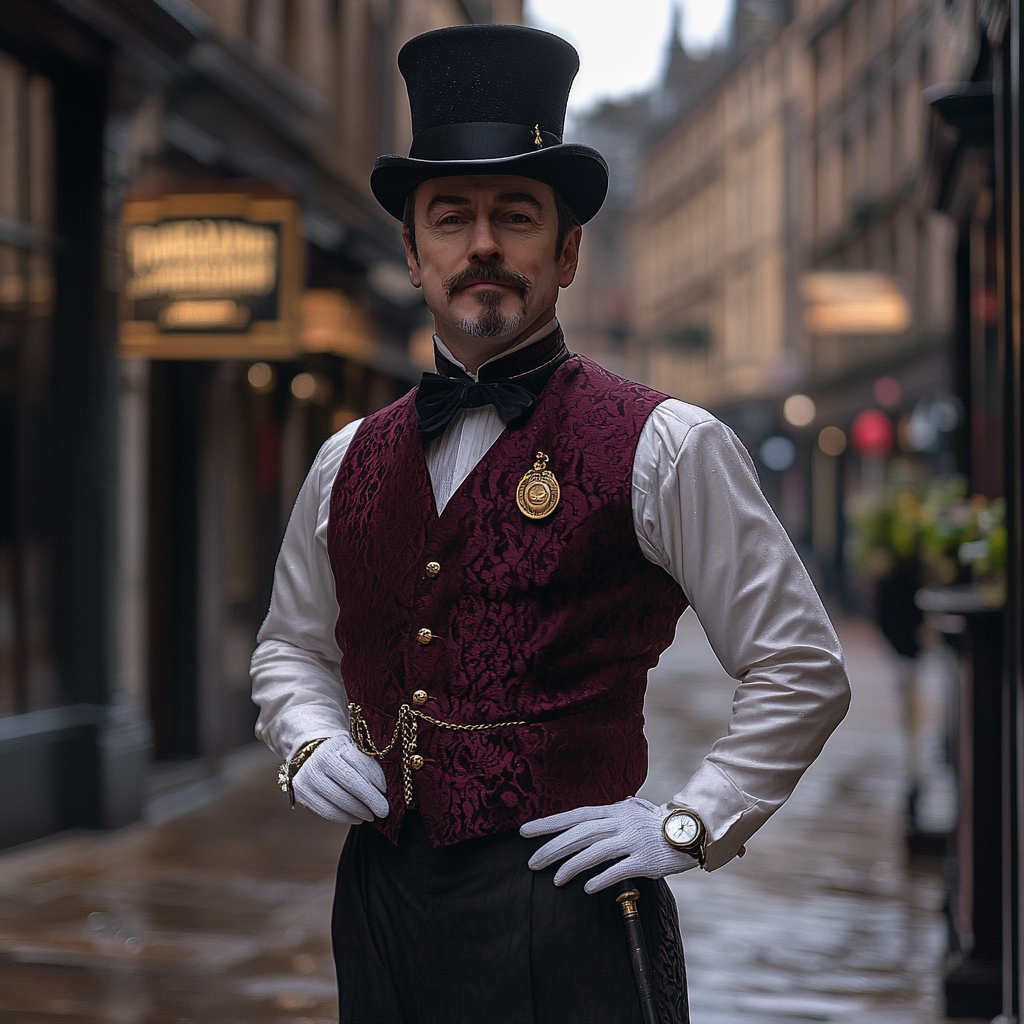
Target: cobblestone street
{"points": [[220, 915]]}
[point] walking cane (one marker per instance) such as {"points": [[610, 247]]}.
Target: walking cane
{"points": [[627, 901]]}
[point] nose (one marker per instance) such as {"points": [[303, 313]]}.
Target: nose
{"points": [[484, 245]]}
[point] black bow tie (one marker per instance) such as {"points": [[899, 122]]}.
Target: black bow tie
{"points": [[512, 385], [440, 398]]}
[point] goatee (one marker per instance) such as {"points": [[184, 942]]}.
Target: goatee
{"points": [[491, 323]]}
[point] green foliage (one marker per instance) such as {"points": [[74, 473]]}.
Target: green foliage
{"points": [[938, 532], [886, 533]]}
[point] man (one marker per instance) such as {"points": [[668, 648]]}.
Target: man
{"points": [[476, 580]]}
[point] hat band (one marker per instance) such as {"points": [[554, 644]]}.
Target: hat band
{"points": [[479, 140]]}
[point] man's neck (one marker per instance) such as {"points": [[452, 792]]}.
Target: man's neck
{"points": [[542, 332], [472, 352]]}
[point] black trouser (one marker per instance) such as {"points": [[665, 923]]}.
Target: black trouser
{"points": [[468, 934]]}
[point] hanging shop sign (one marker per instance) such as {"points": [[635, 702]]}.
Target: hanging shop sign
{"points": [[211, 276]]}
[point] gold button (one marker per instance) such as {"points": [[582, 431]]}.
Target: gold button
{"points": [[416, 762], [424, 636], [433, 568], [419, 697]]}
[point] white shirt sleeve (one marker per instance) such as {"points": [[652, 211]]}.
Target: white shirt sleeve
{"points": [[296, 669], [700, 514]]}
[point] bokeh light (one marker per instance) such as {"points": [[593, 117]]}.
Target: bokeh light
{"points": [[799, 410], [304, 386], [261, 377], [872, 432], [778, 453], [832, 441], [888, 392]]}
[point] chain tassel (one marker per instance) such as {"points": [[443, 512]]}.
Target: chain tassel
{"points": [[406, 728]]}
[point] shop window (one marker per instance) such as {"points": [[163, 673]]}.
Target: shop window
{"points": [[27, 673]]}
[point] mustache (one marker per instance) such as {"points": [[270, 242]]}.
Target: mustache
{"points": [[485, 272]]}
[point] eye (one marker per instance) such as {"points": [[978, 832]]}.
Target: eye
{"points": [[449, 218], [519, 218]]}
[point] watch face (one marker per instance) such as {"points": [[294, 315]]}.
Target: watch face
{"points": [[681, 828]]}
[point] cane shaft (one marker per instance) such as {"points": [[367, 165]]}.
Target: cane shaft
{"points": [[627, 901]]}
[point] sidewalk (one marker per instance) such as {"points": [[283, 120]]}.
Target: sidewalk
{"points": [[220, 916]]}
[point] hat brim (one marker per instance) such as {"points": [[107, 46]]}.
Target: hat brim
{"points": [[577, 173]]}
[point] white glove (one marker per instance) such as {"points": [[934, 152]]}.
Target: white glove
{"points": [[629, 829], [341, 783]]}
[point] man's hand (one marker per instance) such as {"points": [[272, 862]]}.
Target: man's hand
{"points": [[629, 829], [341, 783]]}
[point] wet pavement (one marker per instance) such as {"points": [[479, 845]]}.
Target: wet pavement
{"points": [[823, 919], [217, 917], [220, 915]]}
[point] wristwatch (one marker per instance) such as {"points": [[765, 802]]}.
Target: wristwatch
{"points": [[685, 831]]}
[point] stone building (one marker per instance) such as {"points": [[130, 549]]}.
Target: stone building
{"points": [[805, 157], [596, 311], [709, 245]]}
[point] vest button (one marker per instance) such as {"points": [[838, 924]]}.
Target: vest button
{"points": [[432, 569], [415, 762], [424, 636], [419, 697]]}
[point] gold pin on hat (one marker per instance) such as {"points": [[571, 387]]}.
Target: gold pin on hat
{"points": [[537, 140], [538, 492]]}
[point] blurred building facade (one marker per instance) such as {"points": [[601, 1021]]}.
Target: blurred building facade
{"points": [[866, 169], [142, 500], [805, 155], [709, 242], [684, 275], [596, 311]]}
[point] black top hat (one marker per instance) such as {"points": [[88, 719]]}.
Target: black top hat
{"points": [[490, 99]]}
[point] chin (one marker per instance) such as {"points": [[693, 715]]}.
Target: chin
{"points": [[493, 324]]}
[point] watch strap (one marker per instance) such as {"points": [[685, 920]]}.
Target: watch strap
{"points": [[287, 770]]}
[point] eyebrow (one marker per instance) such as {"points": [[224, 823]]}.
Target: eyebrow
{"points": [[505, 197], [446, 201], [521, 197]]}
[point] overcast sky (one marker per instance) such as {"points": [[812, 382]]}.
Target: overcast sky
{"points": [[621, 42]]}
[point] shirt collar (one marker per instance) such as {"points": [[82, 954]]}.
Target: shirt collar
{"points": [[538, 335]]}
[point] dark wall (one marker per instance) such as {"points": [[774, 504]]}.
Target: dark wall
{"points": [[50, 775], [175, 396]]}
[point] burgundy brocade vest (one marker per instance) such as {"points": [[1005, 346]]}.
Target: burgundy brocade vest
{"points": [[555, 622]]}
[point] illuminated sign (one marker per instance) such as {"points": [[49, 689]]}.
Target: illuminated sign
{"points": [[211, 276], [853, 302]]}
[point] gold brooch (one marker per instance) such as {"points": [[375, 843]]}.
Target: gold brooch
{"points": [[537, 140], [538, 492]]}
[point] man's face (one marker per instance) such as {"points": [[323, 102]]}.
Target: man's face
{"points": [[485, 255]]}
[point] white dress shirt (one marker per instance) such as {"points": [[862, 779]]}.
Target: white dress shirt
{"points": [[699, 513]]}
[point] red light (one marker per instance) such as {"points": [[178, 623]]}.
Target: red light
{"points": [[872, 433]]}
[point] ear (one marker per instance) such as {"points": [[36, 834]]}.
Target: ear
{"points": [[569, 260], [412, 259]]}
